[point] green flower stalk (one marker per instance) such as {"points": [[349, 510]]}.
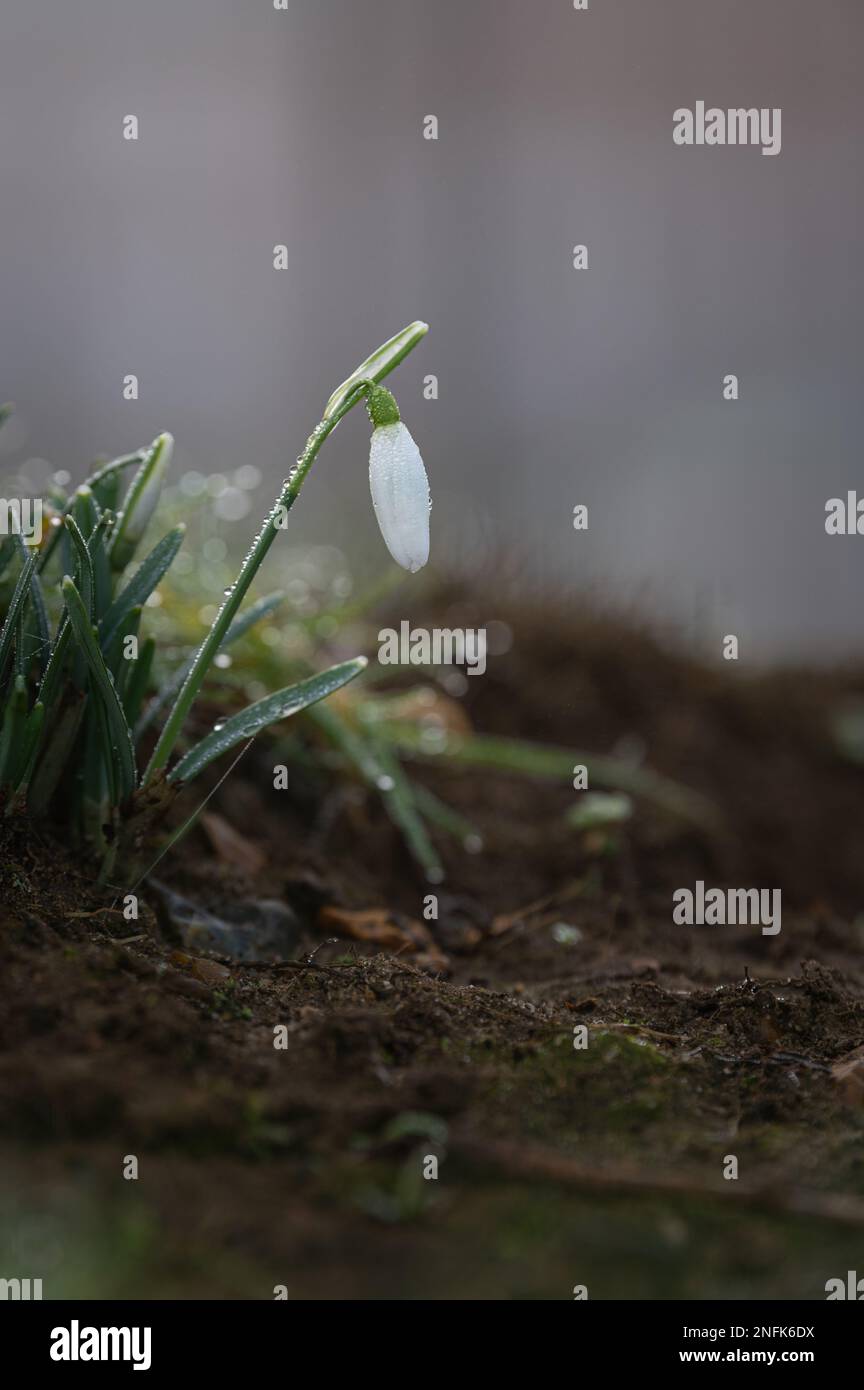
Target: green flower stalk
{"points": [[361, 383]]}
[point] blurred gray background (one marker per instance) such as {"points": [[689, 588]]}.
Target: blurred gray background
{"points": [[601, 386]]}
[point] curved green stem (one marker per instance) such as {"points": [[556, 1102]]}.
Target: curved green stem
{"points": [[248, 570]]}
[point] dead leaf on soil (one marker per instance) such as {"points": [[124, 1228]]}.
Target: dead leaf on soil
{"points": [[209, 972], [377, 926], [232, 847]]}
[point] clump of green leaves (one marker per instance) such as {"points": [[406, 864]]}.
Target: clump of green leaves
{"points": [[72, 690]]}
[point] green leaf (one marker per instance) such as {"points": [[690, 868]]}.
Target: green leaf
{"points": [[115, 468], [142, 583], [32, 639], [84, 569], [437, 812], [397, 792], [119, 753], [254, 613], [14, 721], [19, 597], [544, 760], [20, 773], [140, 501], [106, 490], [272, 708], [105, 485], [58, 745], [114, 653], [378, 364], [93, 524], [98, 786], [137, 681], [85, 509], [40, 617], [51, 685], [381, 771]]}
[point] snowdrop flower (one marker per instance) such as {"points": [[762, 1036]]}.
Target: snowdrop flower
{"points": [[398, 482]]}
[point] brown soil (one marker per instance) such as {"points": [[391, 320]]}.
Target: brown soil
{"points": [[558, 1166]]}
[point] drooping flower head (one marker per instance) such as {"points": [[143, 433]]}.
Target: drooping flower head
{"points": [[398, 482]]}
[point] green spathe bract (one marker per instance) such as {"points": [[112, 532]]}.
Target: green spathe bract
{"points": [[377, 365], [71, 702]]}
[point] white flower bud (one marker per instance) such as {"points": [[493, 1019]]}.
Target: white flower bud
{"points": [[400, 495]]}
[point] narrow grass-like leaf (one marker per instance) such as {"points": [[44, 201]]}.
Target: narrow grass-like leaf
{"points": [[378, 364], [381, 771], [55, 536], [19, 597], [351, 745], [97, 776], [84, 569], [105, 483], [118, 663], [398, 797], [137, 681], [107, 492], [437, 812], [33, 637], [546, 761], [119, 750], [240, 626], [142, 583], [24, 762], [115, 468], [39, 614], [85, 509], [140, 501], [57, 746], [109, 779], [14, 721], [23, 645], [270, 710], [94, 524], [51, 686]]}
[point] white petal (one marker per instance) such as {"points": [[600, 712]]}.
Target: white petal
{"points": [[400, 495]]}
